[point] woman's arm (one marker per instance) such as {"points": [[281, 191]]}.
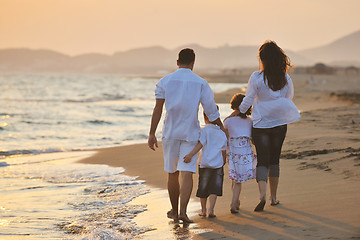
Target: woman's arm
{"points": [[290, 92], [250, 95]]}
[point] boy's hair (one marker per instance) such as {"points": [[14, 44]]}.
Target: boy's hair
{"points": [[186, 56], [205, 117], [235, 103]]}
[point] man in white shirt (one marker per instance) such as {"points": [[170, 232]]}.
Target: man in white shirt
{"points": [[182, 92]]}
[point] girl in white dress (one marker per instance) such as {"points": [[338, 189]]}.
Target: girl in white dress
{"points": [[242, 160]]}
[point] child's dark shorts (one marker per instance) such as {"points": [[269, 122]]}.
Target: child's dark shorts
{"points": [[210, 182]]}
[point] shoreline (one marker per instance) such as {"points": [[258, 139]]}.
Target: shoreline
{"points": [[320, 173]]}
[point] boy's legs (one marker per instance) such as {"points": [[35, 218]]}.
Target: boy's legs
{"points": [[212, 201], [203, 207]]}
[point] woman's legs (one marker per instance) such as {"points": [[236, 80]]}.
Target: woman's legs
{"points": [[262, 143], [278, 137], [268, 144]]}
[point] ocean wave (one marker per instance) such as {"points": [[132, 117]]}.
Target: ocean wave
{"points": [[4, 164], [99, 122], [27, 151]]}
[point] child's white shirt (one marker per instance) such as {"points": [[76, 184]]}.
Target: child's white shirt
{"points": [[238, 127], [214, 141]]}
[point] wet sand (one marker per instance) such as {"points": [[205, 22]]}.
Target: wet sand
{"points": [[319, 182]]}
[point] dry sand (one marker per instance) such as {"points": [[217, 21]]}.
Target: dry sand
{"points": [[319, 182]]}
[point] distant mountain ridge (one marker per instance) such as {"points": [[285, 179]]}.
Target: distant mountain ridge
{"points": [[159, 59], [345, 49]]}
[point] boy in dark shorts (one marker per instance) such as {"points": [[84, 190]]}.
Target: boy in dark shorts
{"points": [[213, 143]]}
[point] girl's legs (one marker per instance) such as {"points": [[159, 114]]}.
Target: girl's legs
{"points": [[235, 202], [212, 200], [203, 207]]}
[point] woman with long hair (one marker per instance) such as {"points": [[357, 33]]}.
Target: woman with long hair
{"points": [[270, 90]]}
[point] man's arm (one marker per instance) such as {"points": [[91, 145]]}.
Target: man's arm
{"points": [[220, 124], [196, 149], [156, 116]]}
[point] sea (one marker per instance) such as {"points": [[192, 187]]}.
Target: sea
{"points": [[49, 121]]}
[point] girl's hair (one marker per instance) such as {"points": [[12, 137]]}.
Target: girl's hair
{"points": [[275, 64], [235, 103]]}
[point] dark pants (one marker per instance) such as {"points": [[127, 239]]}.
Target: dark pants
{"points": [[268, 143]]}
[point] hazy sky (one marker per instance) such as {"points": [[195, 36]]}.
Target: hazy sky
{"points": [[107, 26]]}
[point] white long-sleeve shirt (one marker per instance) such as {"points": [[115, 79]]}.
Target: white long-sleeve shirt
{"points": [[270, 108], [183, 91], [214, 141]]}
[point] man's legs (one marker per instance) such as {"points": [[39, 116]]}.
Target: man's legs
{"points": [[186, 185], [174, 191]]}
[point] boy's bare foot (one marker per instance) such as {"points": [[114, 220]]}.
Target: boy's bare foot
{"points": [[185, 219], [234, 211], [212, 215], [274, 203], [172, 215], [260, 206]]}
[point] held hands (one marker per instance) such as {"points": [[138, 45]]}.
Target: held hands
{"points": [[152, 141]]}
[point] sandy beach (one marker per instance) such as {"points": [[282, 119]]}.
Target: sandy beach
{"points": [[319, 179]]}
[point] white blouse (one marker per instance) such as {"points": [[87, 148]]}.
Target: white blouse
{"points": [[270, 108], [238, 127]]}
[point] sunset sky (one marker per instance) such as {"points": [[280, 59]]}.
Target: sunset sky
{"points": [[107, 26]]}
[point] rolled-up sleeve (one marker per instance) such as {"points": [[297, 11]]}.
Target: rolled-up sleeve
{"points": [[202, 138], [208, 103], [160, 90], [249, 95]]}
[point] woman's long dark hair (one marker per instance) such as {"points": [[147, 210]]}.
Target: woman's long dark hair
{"points": [[275, 65]]}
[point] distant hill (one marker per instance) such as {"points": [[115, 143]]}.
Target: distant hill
{"points": [[140, 60], [344, 51], [157, 59]]}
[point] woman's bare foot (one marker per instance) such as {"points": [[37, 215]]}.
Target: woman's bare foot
{"points": [[185, 219], [274, 202]]}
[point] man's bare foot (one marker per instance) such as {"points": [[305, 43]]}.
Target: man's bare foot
{"points": [[172, 215], [185, 219]]}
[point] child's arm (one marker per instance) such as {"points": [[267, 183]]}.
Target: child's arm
{"points": [[224, 156], [196, 149]]}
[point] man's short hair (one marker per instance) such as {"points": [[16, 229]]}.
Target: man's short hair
{"points": [[186, 56]]}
